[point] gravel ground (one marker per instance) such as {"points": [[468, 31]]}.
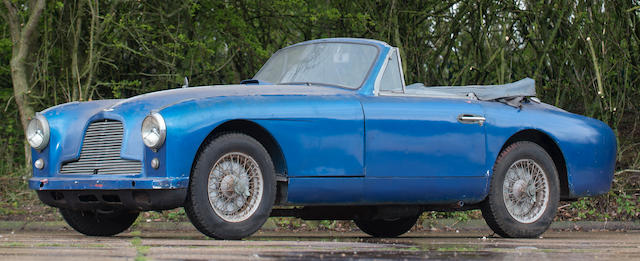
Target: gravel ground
{"points": [[60, 243]]}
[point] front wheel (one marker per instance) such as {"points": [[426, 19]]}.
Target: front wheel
{"points": [[93, 223], [386, 227], [524, 193], [232, 187]]}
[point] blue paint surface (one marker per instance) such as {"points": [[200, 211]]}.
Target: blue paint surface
{"points": [[340, 146], [587, 145], [421, 137]]}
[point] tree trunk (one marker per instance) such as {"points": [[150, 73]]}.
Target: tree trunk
{"points": [[21, 88], [22, 37]]}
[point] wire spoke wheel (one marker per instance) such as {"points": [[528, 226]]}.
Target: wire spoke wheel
{"points": [[235, 187], [525, 191], [232, 187]]}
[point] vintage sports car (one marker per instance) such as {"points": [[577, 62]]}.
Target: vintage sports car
{"points": [[327, 129]]}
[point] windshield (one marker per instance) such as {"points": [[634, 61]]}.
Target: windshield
{"points": [[339, 64]]}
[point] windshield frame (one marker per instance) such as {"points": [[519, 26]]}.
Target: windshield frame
{"points": [[364, 80]]}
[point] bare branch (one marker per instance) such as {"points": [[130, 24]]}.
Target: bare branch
{"points": [[34, 17], [12, 19], [631, 171]]}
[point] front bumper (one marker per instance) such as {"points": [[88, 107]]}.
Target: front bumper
{"points": [[111, 192], [105, 182]]}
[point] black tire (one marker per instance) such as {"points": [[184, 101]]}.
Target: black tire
{"points": [[386, 228], [92, 223], [494, 208], [198, 207]]}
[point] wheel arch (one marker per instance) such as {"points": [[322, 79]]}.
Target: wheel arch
{"points": [[550, 146], [255, 131]]}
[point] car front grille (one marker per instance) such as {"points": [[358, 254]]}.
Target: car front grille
{"points": [[100, 152]]}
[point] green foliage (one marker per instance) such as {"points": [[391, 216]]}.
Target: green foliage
{"points": [[141, 250], [585, 207], [627, 205], [287, 222], [290, 223], [459, 216], [13, 190], [328, 224], [176, 216], [583, 54], [622, 202]]}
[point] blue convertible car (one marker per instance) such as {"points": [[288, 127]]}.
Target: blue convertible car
{"points": [[327, 129]]}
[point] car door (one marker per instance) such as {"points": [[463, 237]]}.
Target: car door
{"points": [[422, 149]]}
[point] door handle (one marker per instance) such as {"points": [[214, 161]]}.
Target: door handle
{"points": [[470, 119]]}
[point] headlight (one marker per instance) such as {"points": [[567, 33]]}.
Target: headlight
{"points": [[153, 130], [38, 132]]}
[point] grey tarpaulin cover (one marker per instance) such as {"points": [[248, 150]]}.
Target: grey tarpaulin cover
{"points": [[511, 93]]}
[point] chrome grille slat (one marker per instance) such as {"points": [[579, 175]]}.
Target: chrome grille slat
{"points": [[111, 163], [102, 125], [102, 144], [102, 135], [98, 138], [106, 134], [101, 150], [122, 167], [110, 172], [98, 155], [94, 146], [105, 144]]}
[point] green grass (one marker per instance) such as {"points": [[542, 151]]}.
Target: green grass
{"points": [[457, 249], [141, 250], [13, 244], [136, 241], [49, 245]]}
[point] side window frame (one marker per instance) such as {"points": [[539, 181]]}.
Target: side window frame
{"points": [[394, 51]]}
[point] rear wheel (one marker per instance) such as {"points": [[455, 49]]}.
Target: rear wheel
{"points": [[232, 187], [93, 223], [386, 227], [524, 192]]}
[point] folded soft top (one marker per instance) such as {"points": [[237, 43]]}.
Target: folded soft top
{"points": [[522, 88]]}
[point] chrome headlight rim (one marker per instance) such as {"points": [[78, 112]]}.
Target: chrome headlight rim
{"points": [[161, 128], [32, 129]]}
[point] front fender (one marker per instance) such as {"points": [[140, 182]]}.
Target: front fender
{"points": [[318, 135]]}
